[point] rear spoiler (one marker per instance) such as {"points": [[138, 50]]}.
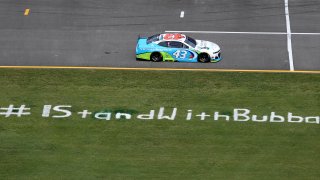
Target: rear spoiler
{"points": [[141, 37]]}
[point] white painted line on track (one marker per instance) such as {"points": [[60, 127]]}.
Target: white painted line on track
{"points": [[182, 14], [286, 3], [230, 32], [305, 33]]}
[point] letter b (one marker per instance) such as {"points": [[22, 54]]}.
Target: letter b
{"points": [[276, 118], [294, 119], [245, 116]]}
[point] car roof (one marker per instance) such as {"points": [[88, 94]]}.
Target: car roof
{"points": [[172, 37]]}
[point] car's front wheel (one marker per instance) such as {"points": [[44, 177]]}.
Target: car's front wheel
{"points": [[156, 57], [203, 58]]}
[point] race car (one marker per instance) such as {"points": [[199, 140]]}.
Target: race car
{"points": [[176, 47]]}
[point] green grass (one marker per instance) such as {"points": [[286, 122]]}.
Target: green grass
{"points": [[33, 147]]}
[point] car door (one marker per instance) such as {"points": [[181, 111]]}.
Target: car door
{"points": [[181, 52]]}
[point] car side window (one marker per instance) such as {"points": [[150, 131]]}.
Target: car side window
{"points": [[175, 44], [185, 46], [164, 44]]}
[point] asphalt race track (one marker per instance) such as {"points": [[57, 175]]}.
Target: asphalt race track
{"points": [[253, 34]]}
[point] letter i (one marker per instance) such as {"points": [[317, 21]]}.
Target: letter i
{"points": [[46, 111], [189, 115]]}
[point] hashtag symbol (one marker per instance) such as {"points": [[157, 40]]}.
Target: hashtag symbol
{"points": [[11, 110]]}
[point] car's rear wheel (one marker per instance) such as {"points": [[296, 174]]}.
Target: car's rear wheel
{"points": [[204, 58], [156, 57]]}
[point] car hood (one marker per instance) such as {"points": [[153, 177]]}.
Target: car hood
{"points": [[207, 45]]}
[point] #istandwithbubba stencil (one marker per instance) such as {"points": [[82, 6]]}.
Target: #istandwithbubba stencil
{"points": [[161, 113]]}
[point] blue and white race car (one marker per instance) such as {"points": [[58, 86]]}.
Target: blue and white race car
{"points": [[176, 47]]}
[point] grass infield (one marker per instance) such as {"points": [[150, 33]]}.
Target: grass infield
{"points": [[33, 147]]}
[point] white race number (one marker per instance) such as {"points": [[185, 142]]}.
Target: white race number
{"points": [[180, 54]]}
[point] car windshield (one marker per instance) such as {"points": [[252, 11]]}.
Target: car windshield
{"points": [[153, 38], [191, 42]]}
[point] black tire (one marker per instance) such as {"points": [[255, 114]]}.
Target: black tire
{"points": [[156, 57], [204, 58]]}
